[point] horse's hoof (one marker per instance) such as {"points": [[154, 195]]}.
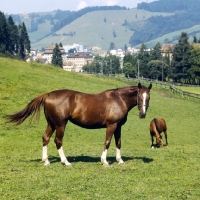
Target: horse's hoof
{"points": [[106, 165], [66, 163], [120, 161], [46, 163], [152, 147]]}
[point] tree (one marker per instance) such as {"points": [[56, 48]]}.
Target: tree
{"points": [[155, 53], [195, 63], [129, 70], [13, 36], [4, 43], [143, 57], [60, 45], [24, 42], [112, 46], [57, 57], [180, 62]]}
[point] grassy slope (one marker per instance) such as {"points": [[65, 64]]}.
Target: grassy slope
{"points": [[91, 28], [169, 173]]}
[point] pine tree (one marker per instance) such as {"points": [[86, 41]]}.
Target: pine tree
{"points": [[57, 57], [24, 42], [4, 43], [143, 57], [13, 35], [180, 63]]}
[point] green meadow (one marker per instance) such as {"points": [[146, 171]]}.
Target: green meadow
{"points": [[171, 172]]}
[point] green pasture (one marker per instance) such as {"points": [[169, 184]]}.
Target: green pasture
{"points": [[195, 90], [171, 172]]}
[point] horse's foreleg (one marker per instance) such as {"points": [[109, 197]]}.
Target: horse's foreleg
{"points": [[45, 139], [109, 133], [117, 135], [58, 142], [165, 132], [152, 140]]}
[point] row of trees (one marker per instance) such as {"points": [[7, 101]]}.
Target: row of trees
{"points": [[108, 65], [181, 64], [14, 39]]}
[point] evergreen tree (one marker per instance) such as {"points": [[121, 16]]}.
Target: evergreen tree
{"points": [[26, 40], [60, 45], [195, 39], [13, 36], [180, 63], [143, 57], [4, 37], [112, 46], [57, 57], [21, 51], [156, 52]]}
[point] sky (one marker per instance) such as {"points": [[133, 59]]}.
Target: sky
{"points": [[29, 6]]}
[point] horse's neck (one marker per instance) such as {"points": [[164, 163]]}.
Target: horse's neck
{"points": [[129, 96]]}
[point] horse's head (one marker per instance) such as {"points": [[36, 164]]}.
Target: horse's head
{"points": [[143, 98], [159, 142]]}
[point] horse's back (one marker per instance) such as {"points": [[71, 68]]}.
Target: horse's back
{"points": [[158, 124]]}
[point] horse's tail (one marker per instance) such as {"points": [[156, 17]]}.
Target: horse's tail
{"points": [[156, 124], [32, 108]]}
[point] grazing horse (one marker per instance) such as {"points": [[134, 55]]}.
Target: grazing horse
{"points": [[108, 109], [157, 126]]}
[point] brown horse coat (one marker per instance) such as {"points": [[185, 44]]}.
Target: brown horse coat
{"points": [[157, 126], [108, 109]]}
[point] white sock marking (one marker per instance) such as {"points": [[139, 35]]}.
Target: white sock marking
{"points": [[44, 153], [103, 157], [118, 156], [63, 157]]}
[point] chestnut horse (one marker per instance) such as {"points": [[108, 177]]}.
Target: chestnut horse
{"points": [[157, 126], [108, 109]]}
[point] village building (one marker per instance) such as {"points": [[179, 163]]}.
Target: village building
{"points": [[48, 53], [75, 62]]}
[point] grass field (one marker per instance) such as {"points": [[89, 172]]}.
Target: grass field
{"points": [[195, 90], [172, 172]]}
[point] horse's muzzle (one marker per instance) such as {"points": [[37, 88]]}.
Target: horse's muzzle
{"points": [[142, 115]]}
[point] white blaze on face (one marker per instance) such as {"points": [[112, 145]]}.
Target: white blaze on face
{"points": [[144, 101]]}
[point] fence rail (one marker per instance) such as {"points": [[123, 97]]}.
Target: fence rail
{"points": [[168, 86], [184, 93]]}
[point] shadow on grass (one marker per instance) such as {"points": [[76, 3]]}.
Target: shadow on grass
{"points": [[54, 159]]}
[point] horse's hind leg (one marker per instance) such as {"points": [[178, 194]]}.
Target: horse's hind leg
{"points": [[117, 135], [109, 133], [58, 141], [45, 139]]}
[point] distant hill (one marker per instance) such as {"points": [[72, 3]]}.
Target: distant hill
{"points": [[160, 21], [99, 28]]}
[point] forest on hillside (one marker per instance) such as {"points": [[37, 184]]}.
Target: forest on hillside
{"points": [[61, 17], [186, 14]]}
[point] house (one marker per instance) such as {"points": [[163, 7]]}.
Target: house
{"points": [[78, 60], [48, 53], [167, 49]]}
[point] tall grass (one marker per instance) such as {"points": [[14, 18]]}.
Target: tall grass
{"points": [[171, 172]]}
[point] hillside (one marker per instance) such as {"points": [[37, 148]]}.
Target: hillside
{"points": [[92, 30], [158, 21], [171, 172]]}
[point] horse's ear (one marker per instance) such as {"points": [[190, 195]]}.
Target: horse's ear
{"points": [[139, 85], [150, 86]]}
